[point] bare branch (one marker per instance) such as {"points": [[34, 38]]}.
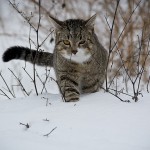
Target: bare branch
{"points": [[50, 132], [110, 41], [24, 90], [7, 86], [22, 14], [26, 125], [4, 94]]}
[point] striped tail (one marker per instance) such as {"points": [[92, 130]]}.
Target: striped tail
{"points": [[32, 56]]}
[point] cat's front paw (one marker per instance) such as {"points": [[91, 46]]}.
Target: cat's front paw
{"points": [[72, 100], [71, 94], [71, 97]]}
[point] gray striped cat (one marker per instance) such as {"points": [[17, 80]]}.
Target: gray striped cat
{"points": [[79, 60]]}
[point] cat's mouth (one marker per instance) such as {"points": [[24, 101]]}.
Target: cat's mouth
{"points": [[79, 56]]}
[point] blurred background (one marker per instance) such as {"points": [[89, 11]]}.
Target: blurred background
{"points": [[15, 30]]}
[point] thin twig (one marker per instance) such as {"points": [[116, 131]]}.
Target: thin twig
{"points": [[50, 132], [46, 120], [46, 78], [22, 14], [26, 125], [7, 86], [147, 87], [110, 42], [116, 96], [27, 74], [46, 38], [126, 24], [24, 90], [4, 94], [38, 46]]}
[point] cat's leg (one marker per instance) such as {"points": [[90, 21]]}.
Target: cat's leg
{"points": [[69, 87], [90, 85]]}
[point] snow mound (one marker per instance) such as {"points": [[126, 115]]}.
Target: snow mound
{"points": [[97, 122]]}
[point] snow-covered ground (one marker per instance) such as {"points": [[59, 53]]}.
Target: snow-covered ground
{"points": [[98, 121]]}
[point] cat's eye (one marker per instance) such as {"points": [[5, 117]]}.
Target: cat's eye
{"points": [[66, 42], [81, 42]]}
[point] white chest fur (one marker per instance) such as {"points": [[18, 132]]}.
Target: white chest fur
{"points": [[80, 57]]}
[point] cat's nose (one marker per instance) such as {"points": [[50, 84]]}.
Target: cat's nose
{"points": [[74, 51]]}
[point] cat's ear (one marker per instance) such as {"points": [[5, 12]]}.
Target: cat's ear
{"points": [[91, 21], [57, 23]]}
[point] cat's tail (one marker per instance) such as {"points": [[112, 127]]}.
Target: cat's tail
{"points": [[38, 57]]}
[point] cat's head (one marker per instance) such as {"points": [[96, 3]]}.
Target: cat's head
{"points": [[74, 38]]}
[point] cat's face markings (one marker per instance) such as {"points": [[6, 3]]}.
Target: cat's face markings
{"points": [[72, 36], [81, 55], [76, 50]]}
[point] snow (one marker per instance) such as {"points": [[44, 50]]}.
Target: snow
{"points": [[97, 121]]}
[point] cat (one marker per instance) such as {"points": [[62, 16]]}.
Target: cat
{"points": [[79, 60]]}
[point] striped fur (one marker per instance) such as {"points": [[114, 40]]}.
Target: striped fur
{"points": [[81, 74], [17, 52]]}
